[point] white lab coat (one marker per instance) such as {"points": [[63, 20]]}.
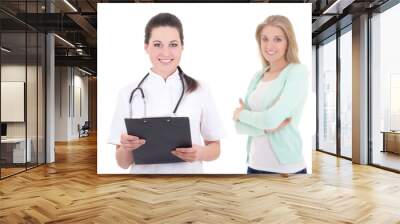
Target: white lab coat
{"points": [[161, 98]]}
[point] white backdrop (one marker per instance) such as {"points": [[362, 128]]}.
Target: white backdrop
{"points": [[220, 50]]}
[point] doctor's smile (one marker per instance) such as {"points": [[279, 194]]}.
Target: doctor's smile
{"points": [[165, 61], [164, 47]]}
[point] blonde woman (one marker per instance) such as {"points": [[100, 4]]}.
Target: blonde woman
{"points": [[274, 102]]}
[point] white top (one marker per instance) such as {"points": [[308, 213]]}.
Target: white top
{"points": [[262, 156], [161, 98]]}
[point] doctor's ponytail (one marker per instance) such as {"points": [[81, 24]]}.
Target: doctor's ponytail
{"points": [[191, 83]]}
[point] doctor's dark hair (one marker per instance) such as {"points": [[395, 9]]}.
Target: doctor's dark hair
{"points": [[168, 19]]}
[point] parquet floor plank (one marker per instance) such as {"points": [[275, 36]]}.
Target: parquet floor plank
{"points": [[70, 191]]}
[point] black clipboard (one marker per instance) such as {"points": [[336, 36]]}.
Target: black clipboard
{"points": [[162, 135]]}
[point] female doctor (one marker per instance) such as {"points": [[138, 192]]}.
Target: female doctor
{"points": [[162, 89]]}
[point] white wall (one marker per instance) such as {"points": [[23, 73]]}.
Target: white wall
{"points": [[12, 73], [67, 116], [79, 117], [16, 73], [61, 103], [33, 126]]}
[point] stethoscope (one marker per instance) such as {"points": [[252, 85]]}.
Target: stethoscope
{"points": [[138, 87]]}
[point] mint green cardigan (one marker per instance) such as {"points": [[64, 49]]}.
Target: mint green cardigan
{"points": [[285, 98]]}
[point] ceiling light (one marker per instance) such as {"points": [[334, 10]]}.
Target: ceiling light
{"points": [[64, 40], [70, 5], [5, 50], [79, 51], [84, 71], [337, 7]]}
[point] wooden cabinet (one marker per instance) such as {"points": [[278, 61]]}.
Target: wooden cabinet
{"points": [[391, 141]]}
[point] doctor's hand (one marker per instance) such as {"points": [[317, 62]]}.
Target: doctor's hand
{"points": [[195, 153], [130, 142], [237, 111]]}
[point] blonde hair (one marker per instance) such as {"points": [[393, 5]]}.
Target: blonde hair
{"points": [[285, 25]]}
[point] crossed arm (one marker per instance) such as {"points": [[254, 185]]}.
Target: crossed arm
{"points": [[294, 93], [243, 128]]}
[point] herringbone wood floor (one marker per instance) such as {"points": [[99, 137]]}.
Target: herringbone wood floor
{"points": [[70, 191]]}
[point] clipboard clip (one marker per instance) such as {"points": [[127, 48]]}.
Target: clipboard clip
{"points": [[167, 119]]}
